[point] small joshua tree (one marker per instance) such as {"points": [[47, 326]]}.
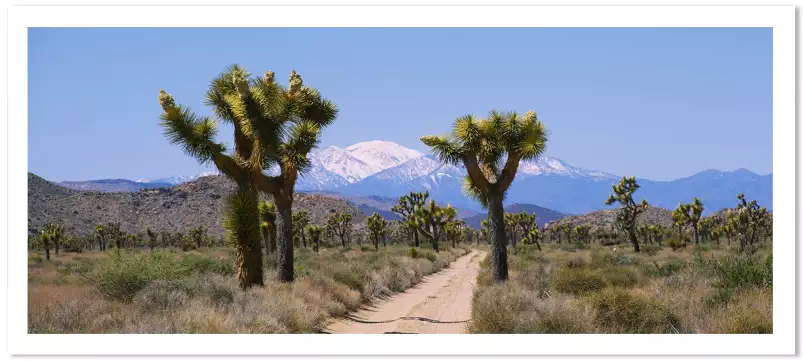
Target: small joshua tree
{"points": [[454, 231], [267, 226], [339, 224], [746, 222], [491, 150], [485, 229], [300, 222], [583, 233], [681, 216], [526, 223], [406, 209], [198, 236], [152, 238], [56, 232], [431, 220], [629, 210], [44, 238], [315, 232], [377, 227]]}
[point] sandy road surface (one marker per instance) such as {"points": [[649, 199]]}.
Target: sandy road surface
{"points": [[441, 303]]}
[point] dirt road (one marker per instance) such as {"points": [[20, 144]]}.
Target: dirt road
{"points": [[441, 303]]}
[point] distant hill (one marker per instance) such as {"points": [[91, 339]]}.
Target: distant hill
{"points": [[112, 185], [179, 208], [605, 218], [542, 214]]}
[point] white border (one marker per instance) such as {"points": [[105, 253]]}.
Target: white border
{"points": [[780, 18]]}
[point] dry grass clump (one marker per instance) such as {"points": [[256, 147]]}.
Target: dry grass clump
{"points": [[696, 290], [196, 293], [628, 311]]}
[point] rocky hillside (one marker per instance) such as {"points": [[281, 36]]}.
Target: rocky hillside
{"points": [[605, 218], [180, 208]]}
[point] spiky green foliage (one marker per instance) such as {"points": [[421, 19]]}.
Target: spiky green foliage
{"points": [[406, 209], [485, 228], [44, 239], [455, 230], [273, 125], [629, 210], [431, 219], [199, 236], [339, 224], [529, 230], [101, 235], [491, 149], [377, 226], [583, 233], [746, 222], [315, 232], [56, 233], [267, 225]]}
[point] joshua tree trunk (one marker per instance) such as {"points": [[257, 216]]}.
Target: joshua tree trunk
{"points": [[415, 235], [243, 225], [696, 236], [284, 244], [496, 235], [303, 238], [634, 240], [537, 244]]}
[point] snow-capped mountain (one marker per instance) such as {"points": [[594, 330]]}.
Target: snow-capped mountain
{"points": [[553, 166], [363, 159], [175, 180]]}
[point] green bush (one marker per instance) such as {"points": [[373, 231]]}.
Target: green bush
{"points": [[623, 311], [430, 255], [576, 263], [735, 271], [619, 276], [602, 259], [568, 247], [665, 269], [576, 281], [203, 264], [676, 243], [414, 253], [366, 248]]}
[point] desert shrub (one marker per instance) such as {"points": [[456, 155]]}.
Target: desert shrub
{"points": [[619, 276], [603, 259], [203, 264], [651, 250], [414, 253], [736, 271], [576, 281], [163, 295], [676, 243], [568, 247], [749, 313], [701, 248], [576, 263], [625, 311], [430, 255], [366, 248], [665, 269]]}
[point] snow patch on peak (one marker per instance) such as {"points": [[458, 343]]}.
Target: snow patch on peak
{"points": [[554, 166]]}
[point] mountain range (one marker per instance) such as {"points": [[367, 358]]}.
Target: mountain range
{"points": [[385, 170]]}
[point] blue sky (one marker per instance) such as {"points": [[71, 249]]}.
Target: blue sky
{"points": [[658, 103]]}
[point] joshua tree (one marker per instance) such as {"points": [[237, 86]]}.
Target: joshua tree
{"points": [[267, 226], [706, 226], [406, 209], [525, 223], [151, 238], [431, 219], [377, 227], [746, 222], [491, 150], [300, 221], [485, 229], [681, 216], [339, 224], [314, 232], [44, 237], [454, 230], [198, 236], [273, 126], [568, 230], [583, 233], [56, 233], [629, 211]]}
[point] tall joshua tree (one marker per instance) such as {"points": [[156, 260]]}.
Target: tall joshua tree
{"points": [[267, 226], [406, 209], [681, 216], [44, 238], [629, 211], [490, 150], [376, 226], [273, 126], [526, 222], [151, 238], [101, 234]]}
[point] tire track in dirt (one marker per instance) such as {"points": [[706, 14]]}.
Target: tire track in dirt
{"points": [[440, 303]]}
